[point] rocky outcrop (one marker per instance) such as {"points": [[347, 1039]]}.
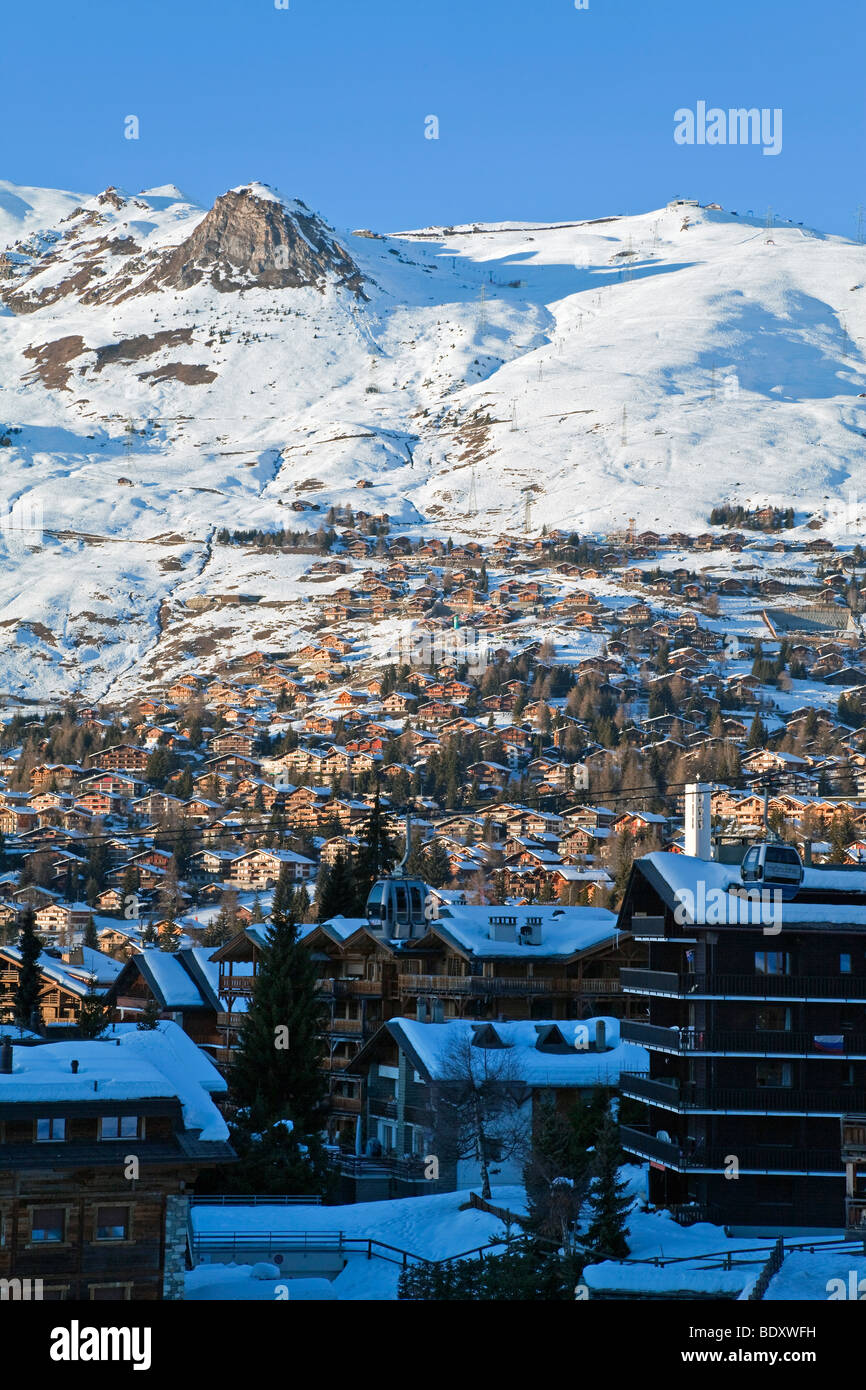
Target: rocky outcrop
{"points": [[252, 240]]}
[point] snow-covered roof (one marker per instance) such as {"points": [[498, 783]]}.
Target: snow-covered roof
{"points": [[433, 1046], [128, 1063], [166, 974], [700, 890], [564, 930]]}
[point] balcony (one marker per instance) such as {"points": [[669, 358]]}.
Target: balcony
{"points": [[225, 1020], [357, 988], [855, 1217], [766, 1159], [802, 988], [645, 928], [234, 985], [755, 1043], [334, 1063], [351, 1027], [349, 1105], [854, 1138], [351, 987], [483, 985], [724, 1100], [383, 1107]]}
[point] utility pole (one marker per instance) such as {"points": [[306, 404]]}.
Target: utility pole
{"points": [[527, 509], [472, 504]]}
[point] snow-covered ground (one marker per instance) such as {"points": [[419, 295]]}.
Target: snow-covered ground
{"points": [[648, 366], [434, 1228]]}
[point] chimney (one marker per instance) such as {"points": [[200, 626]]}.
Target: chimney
{"points": [[438, 1011], [421, 1010], [698, 820], [600, 1035], [6, 1057], [74, 1065], [807, 853]]}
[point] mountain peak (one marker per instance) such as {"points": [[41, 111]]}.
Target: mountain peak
{"points": [[253, 238]]}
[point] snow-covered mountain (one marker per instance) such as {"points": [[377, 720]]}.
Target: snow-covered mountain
{"points": [[167, 370]]}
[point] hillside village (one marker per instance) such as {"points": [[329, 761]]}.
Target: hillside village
{"points": [[144, 845]]}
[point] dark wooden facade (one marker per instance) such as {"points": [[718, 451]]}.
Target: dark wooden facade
{"points": [[757, 1042]]}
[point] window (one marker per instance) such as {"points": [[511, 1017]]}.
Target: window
{"points": [[112, 1223], [48, 1226], [50, 1130], [774, 1074], [110, 1293], [387, 1136], [773, 1018], [772, 963], [845, 963], [118, 1127]]}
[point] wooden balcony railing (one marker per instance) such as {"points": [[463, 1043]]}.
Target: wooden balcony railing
{"points": [[236, 985], [855, 1216], [225, 1020], [504, 984], [350, 1104]]}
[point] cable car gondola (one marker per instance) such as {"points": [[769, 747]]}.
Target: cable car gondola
{"points": [[775, 866], [397, 904]]}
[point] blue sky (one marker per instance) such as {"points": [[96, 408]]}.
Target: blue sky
{"points": [[545, 111]]}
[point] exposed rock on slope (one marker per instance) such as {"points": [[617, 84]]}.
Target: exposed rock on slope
{"points": [[251, 239]]}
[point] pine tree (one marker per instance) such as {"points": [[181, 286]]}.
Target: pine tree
{"points": [[375, 856], [276, 1074], [437, 864], [757, 733], [338, 891], [149, 1016], [95, 1014], [90, 937], [608, 1199], [25, 1008]]}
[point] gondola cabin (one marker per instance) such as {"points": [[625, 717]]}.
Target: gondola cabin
{"points": [[396, 907], [774, 866]]}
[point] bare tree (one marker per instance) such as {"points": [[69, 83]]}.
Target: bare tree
{"points": [[480, 1102]]}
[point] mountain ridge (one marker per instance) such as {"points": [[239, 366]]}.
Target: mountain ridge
{"points": [[649, 366]]}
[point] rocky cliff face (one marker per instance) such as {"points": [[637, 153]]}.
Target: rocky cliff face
{"points": [[250, 239]]}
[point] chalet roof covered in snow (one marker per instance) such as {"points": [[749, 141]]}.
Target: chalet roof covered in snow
{"points": [[565, 931], [126, 1064], [557, 1053], [704, 892]]}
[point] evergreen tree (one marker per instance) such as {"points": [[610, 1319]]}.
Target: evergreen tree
{"points": [[437, 864], [95, 1014], [375, 856], [336, 894], [276, 1073], [149, 1016], [608, 1200], [757, 733], [277, 1160], [25, 1006], [90, 937]]}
